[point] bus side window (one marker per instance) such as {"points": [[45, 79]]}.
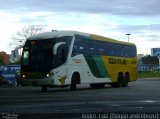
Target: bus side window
{"points": [[26, 57], [78, 47], [91, 50], [74, 51], [128, 51], [87, 47], [125, 51], [81, 48], [133, 51], [118, 50], [61, 55], [90, 47], [111, 49], [100, 48]]}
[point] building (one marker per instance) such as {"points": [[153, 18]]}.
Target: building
{"points": [[149, 67], [5, 57], [16, 54], [140, 56], [141, 66], [156, 52]]}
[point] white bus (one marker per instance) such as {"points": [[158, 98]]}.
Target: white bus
{"points": [[68, 58]]}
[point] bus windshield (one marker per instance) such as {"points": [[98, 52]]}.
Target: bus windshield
{"points": [[38, 54]]}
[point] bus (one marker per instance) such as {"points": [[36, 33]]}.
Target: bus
{"points": [[68, 58]]}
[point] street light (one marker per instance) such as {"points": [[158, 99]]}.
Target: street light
{"points": [[128, 36]]}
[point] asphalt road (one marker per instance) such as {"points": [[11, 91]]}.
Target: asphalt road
{"points": [[142, 96]]}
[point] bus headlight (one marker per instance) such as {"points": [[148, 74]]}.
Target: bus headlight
{"points": [[23, 76], [49, 74]]}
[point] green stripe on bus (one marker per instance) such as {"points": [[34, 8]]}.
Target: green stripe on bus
{"points": [[101, 67], [96, 66]]}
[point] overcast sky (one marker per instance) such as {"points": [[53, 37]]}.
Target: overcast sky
{"points": [[110, 18]]}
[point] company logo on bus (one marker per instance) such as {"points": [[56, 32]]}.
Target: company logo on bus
{"points": [[117, 61]]}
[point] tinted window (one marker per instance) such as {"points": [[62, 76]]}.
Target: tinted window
{"points": [[84, 45], [38, 54], [78, 47], [90, 47]]}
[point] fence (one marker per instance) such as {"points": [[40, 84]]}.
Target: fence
{"points": [[148, 67], [8, 72]]}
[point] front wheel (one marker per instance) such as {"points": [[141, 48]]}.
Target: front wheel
{"points": [[73, 85], [44, 88]]}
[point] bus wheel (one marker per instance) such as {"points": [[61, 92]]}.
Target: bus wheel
{"points": [[74, 80], [125, 80], [120, 81], [44, 88]]}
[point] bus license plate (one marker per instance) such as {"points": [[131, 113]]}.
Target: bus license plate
{"points": [[35, 82]]}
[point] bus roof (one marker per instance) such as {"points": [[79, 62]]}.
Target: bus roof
{"points": [[56, 34]]}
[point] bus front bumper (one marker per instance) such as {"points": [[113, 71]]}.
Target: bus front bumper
{"points": [[38, 82]]}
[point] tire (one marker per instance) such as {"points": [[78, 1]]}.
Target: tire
{"points": [[119, 82], [44, 88], [73, 85], [125, 80]]}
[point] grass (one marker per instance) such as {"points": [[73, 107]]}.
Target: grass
{"points": [[148, 74]]}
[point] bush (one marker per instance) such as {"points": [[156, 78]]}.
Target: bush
{"points": [[148, 74]]}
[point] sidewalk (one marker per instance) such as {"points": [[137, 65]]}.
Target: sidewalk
{"points": [[150, 78]]}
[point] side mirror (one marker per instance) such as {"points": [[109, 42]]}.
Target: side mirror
{"points": [[55, 47]]}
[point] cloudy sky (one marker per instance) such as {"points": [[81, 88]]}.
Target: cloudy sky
{"points": [[110, 18]]}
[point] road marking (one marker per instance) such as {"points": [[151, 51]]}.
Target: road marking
{"points": [[149, 101]]}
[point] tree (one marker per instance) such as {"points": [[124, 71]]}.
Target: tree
{"points": [[150, 60], [20, 37], [1, 60]]}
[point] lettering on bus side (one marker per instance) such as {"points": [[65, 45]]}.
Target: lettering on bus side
{"points": [[117, 61], [133, 62]]}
